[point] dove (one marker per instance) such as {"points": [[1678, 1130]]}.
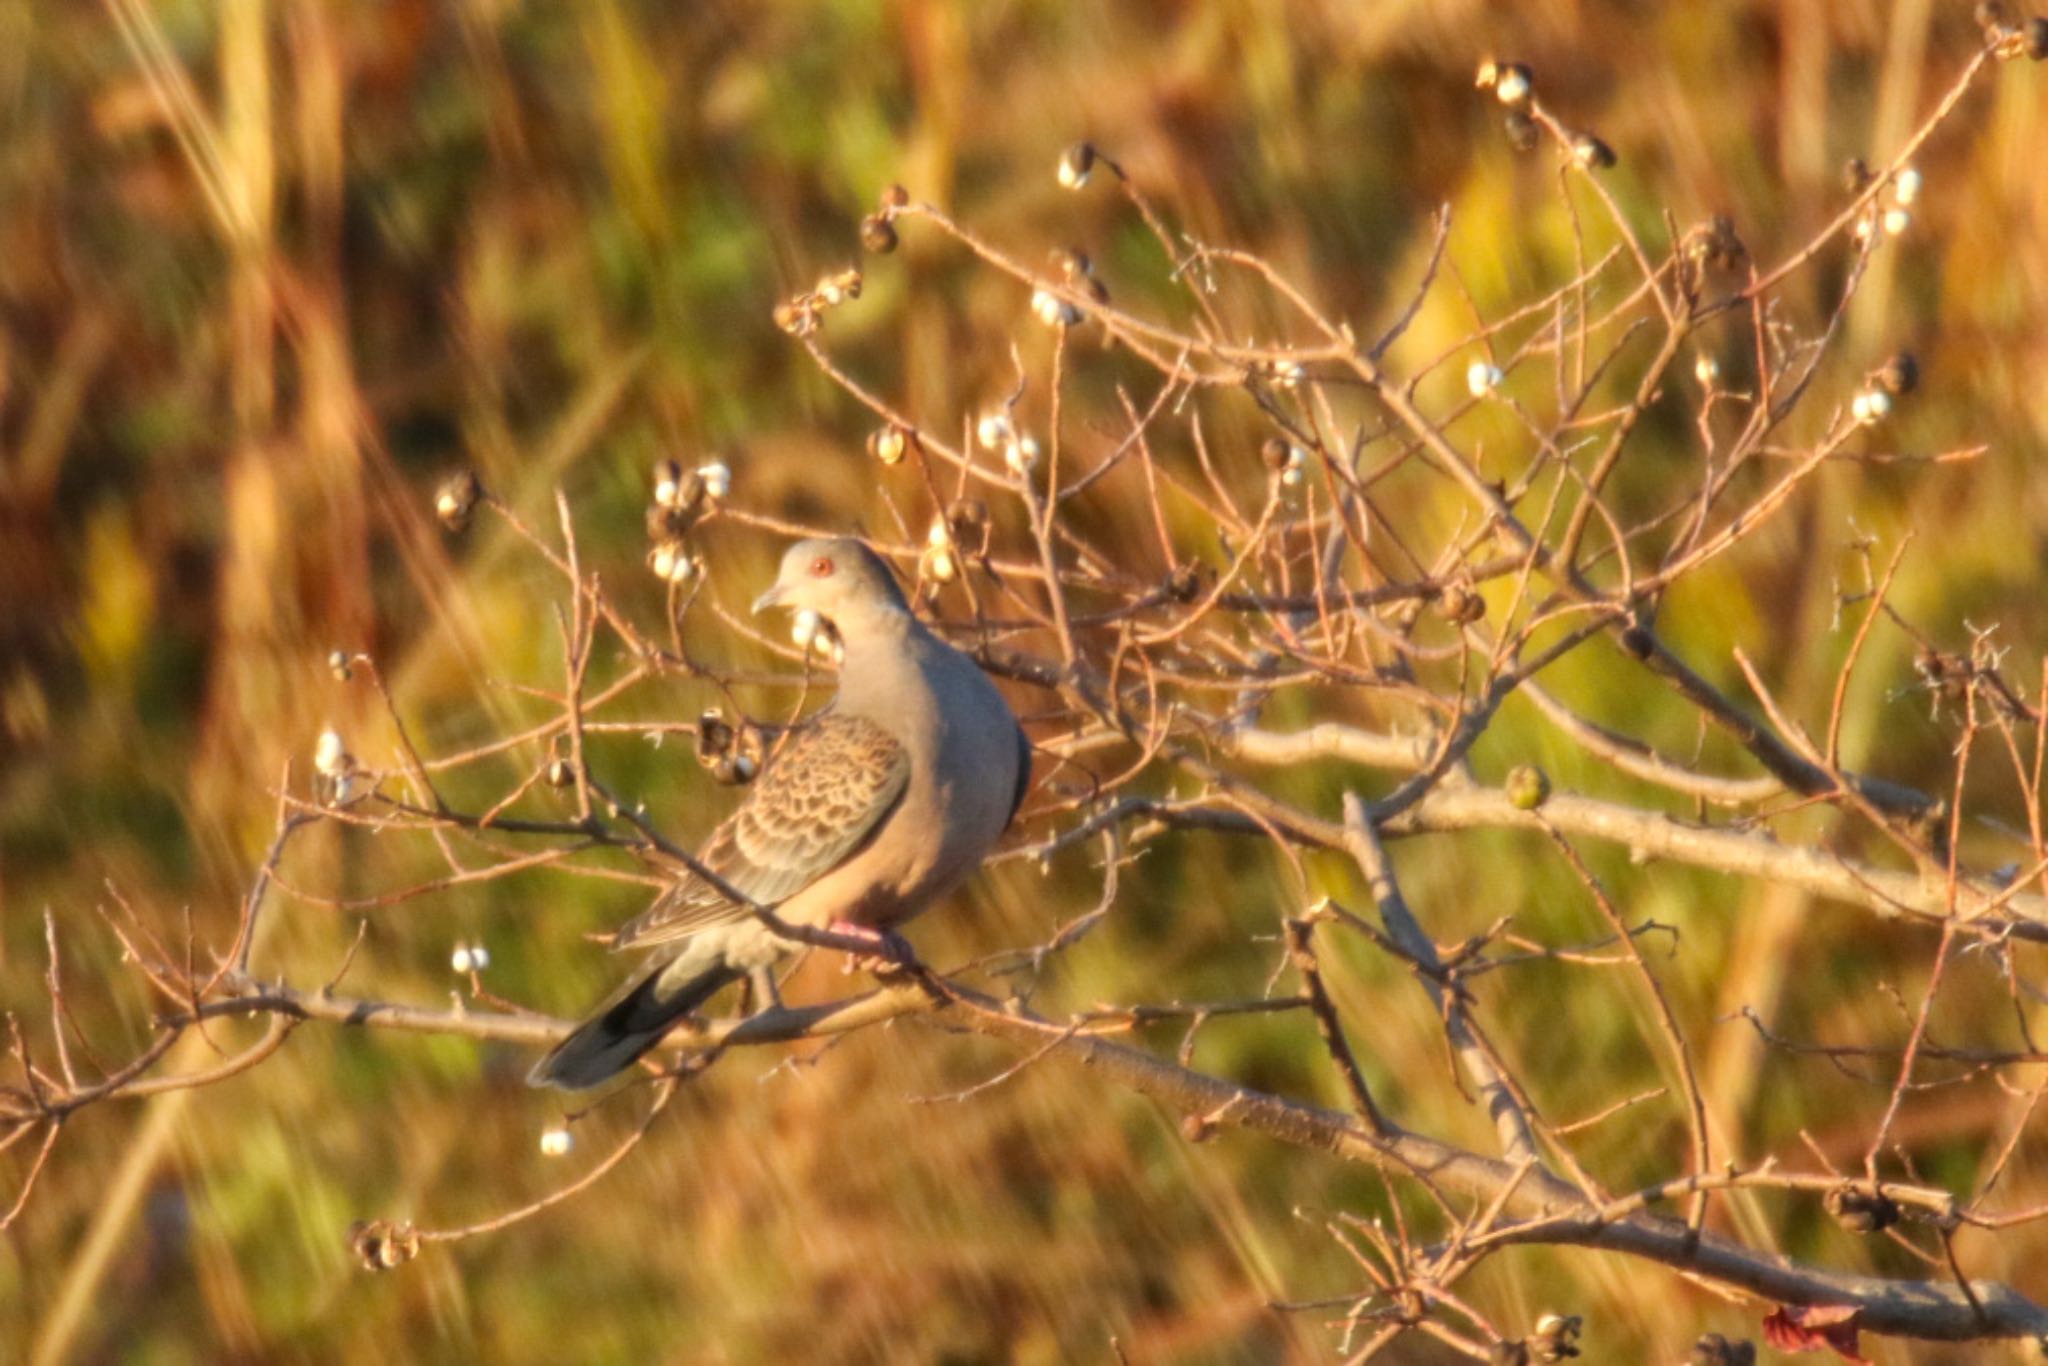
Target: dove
{"points": [[874, 809]]}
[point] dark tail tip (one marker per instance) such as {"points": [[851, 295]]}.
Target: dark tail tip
{"points": [[623, 1029]]}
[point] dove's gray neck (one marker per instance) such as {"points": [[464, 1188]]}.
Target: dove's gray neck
{"points": [[871, 678]]}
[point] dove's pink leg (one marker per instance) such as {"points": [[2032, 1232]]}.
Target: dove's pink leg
{"points": [[891, 950]]}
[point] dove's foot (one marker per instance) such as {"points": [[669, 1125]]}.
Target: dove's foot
{"points": [[762, 994], [891, 951]]}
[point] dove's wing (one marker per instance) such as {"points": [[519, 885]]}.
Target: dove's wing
{"points": [[826, 795]]}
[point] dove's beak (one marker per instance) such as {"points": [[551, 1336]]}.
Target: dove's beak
{"points": [[771, 598]]}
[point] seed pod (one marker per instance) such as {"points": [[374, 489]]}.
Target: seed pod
{"points": [[1184, 584], [894, 197], [1197, 1128], [1077, 163], [455, 502], [994, 430], [560, 772], [1461, 605], [1856, 175], [671, 562], [888, 444], [1528, 787], [338, 665], [1072, 262], [968, 518], [380, 1244], [1273, 453], [1861, 1211], [716, 478], [877, 235], [1521, 130], [1515, 1353], [1871, 406], [1021, 456], [671, 523], [715, 734], [1901, 374], [1052, 310], [1556, 1337], [557, 1141], [668, 483], [1514, 86], [331, 758], [1722, 244], [1591, 153]]}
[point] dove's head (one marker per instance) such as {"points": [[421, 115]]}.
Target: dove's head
{"points": [[840, 579]]}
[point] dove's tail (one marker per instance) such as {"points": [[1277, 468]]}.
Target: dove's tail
{"points": [[631, 1021]]}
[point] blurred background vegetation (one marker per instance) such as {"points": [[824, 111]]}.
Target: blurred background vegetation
{"points": [[269, 267]]}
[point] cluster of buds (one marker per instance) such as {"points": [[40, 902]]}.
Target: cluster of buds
{"points": [[889, 444], [1894, 379], [1461, 603], [1077, 270], [1079, 274], [2009, 38], [1514, 87], [1283, 374], [1556, 1337], [1052, 310], [800, 316], [455, 501], [468, 957], [733, 754], [1893, 214], [1285, 461], [996, 432], [1511, 82], [878, 229], [1076, 164], [334, 766], [1713, 243], [940, 562], [815, 635], [962, 530], [681, 499], [1861, 1210], [380, 1244]]}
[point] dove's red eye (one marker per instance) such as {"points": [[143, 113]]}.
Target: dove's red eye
{"points": [[821, 567]]}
